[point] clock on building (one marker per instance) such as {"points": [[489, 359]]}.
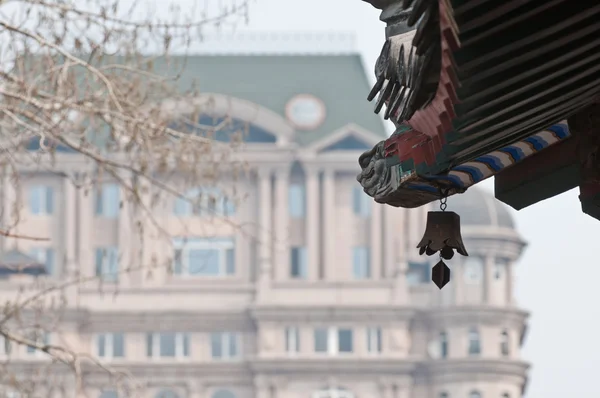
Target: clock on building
{"points": [[305, 111]]}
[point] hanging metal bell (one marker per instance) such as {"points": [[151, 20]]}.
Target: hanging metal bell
{"points": [[442, 234]]}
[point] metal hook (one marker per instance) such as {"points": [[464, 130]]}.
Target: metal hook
{"points": [[443, 198]]}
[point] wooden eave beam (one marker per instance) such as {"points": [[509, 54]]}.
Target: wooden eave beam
{"points": [[546, 174]]}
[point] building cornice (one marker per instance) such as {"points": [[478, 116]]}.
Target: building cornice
{"points": [[374, 367], [506, 242], [161, 372], [198, 320], [371, 313], [461, 370], [343, 132], [455, 316], [157, 321], [190, 286]]}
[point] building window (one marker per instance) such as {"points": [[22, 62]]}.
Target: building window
{"points": [[203, 202], [418, 273], [204, 257], [41, 200], [361, 202], [374, 340], [5, 347], [506, 395], [107, 200], [292, 340], [333, 392], [500, 267], [361, 259], [225, 345], [443, 395], [107, 263], [321, 336], [333, 340], [109, 394], [504, 343], [444, 345], [473, 268], [44, 255], [474, 342], [110, 345], [345, 340], [474, 394], [298, 263], [297, 198], [166, 394], [40, 338], [168, 345], [223, 394], [498, 271]]}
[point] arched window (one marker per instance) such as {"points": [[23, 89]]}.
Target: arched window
{"points": [[443, 345], [474, 342], [473, 269], [506, 395], [474, 394], [166, 394], [223, 394], [229, 130], [333, 392], [504, 343], [444, 395]]}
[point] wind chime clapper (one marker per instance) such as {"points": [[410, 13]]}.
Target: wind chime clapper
{"points": [[442, 234]]}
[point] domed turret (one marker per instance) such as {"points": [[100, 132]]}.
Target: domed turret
{"points": [[478, 208]]}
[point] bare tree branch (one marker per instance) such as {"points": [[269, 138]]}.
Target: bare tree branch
{"points": [[89, 78]]}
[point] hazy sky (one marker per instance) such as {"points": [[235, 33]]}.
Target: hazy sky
{"points": [[558, 270]]}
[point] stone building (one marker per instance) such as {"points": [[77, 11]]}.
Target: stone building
{"points": [[324, 296]]}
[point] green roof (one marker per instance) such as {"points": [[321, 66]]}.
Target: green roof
{"points": [[340, 81]]}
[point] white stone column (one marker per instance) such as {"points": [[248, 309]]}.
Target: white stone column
{"points": [[312, 229], [85, 230], [279, 387], [125, 231], [375, 241], [145, 238], [281, 230], [261, 387], [488, 282], [391, 229], [457, 278], [400, 289], [402, 391], [264, 231], [386, 389], [70, 228], [509, 284], [196, 389], [10, 209], [329, 239]]}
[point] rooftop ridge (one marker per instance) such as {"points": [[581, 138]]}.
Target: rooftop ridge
{"points": [[277, 43]]}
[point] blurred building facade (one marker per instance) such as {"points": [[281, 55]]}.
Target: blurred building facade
{"points": [[304, 288]]}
